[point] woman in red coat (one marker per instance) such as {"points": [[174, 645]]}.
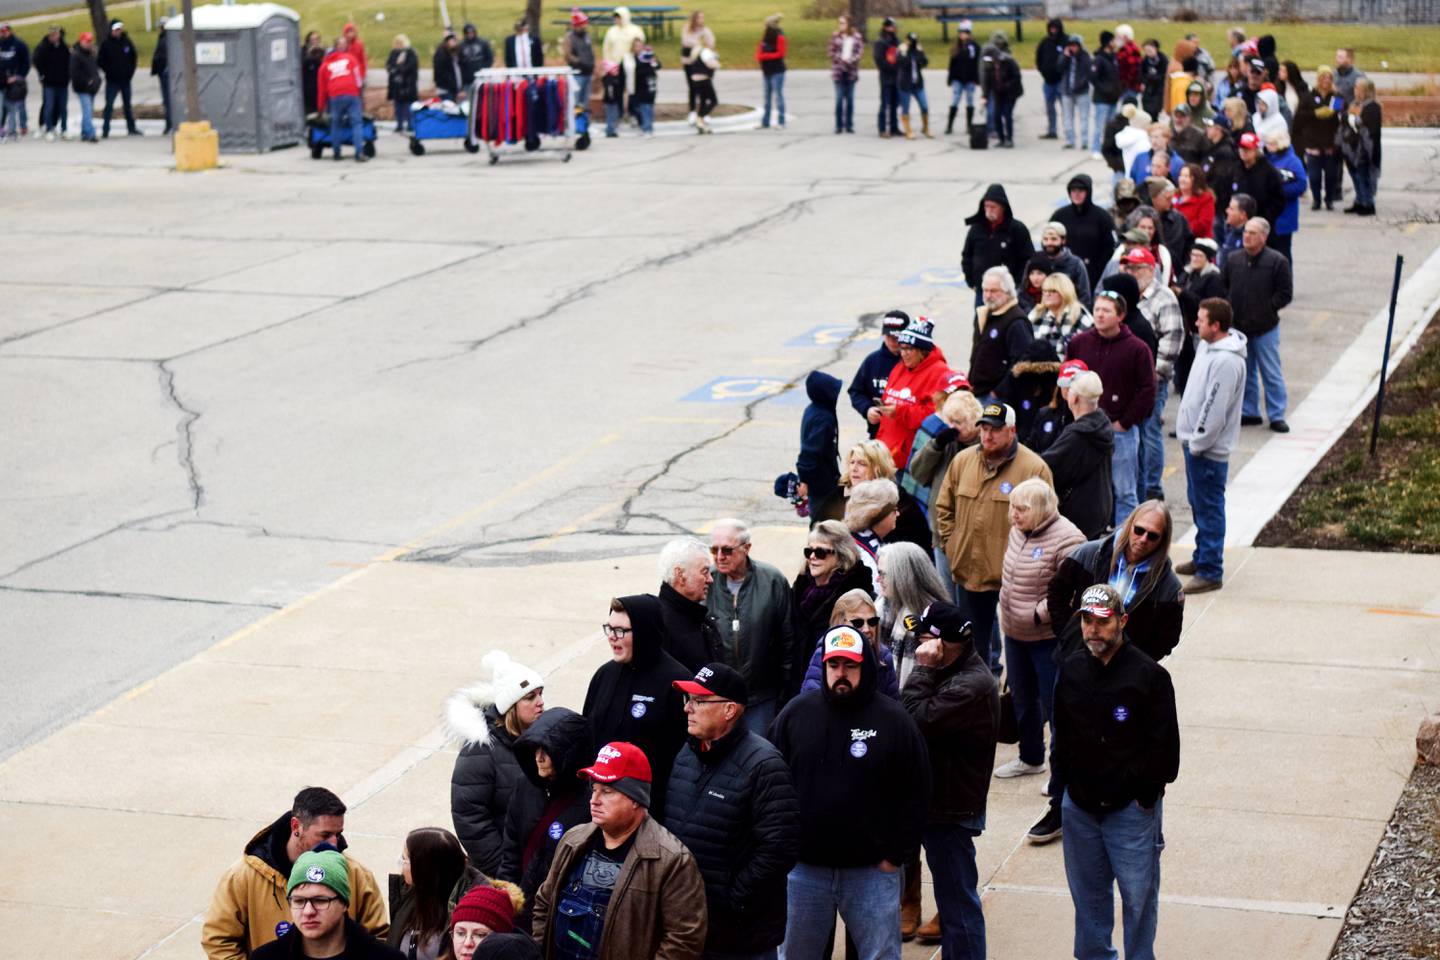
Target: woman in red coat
{"points": [[1195, 200]]}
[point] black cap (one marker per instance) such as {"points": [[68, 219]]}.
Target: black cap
{"points": [[946, 621], [716, 680], [895, 321], [997, 415]]}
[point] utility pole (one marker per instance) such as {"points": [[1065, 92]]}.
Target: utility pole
{"points": [[197, 144], [192, 85]]}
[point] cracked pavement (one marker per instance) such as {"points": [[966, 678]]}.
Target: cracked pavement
{"points": [[344, 362]]}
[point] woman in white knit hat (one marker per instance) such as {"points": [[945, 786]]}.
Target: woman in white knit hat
{"points": [[486, 718]]}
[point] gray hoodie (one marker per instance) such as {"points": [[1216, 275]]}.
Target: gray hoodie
{"points": [[1209, 420]]}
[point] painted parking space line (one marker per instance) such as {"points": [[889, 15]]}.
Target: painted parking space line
{"points": [[744, 389], [936, 277], [832, 335]]}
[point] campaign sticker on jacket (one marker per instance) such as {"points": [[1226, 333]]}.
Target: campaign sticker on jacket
{"points": [[858, 749], [994, 333], [858, 746], [282, 928], [1122, 713], [1006, 486], [637, 710], [1035, 554], [1048, 427], [556, 830]]}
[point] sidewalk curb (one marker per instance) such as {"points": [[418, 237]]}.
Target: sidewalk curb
{"points": [[1262, 488]]}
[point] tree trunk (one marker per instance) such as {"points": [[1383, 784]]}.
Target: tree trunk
{"points": [[99, 20], [533, 14], [860, 16]]}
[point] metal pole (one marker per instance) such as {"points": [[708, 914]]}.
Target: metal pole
{"points": [[1385, 360]]}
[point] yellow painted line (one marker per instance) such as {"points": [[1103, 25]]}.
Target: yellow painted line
{"points": [[686, 421], [1411, 229], [576, 524], [1404, 613]]}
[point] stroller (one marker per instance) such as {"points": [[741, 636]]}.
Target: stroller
{"points": [[317, 135]]}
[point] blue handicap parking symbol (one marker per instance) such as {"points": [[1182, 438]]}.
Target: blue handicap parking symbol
{"points": [[742, 390], [833, 335], [936, 277]]}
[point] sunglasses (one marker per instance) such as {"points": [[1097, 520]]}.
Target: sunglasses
{"points": [[818, 553], [718, 551], [860, 624], [1152, 535]]}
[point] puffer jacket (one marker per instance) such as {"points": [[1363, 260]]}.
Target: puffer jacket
{"points": [[972, 512], [1031, 560], [542, 810], [733, 805], [911, 393], [484, 777], [249, 908], [957, 709], [658, 909], [1156, 615]]}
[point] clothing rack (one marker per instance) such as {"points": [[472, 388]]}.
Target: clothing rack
{"points": [[530, 110]]}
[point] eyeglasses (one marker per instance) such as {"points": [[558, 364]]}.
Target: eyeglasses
{"points": [[616, 633], [716, 550], [818, 553], [1152, 535], [319, 903], [859, 624], [698, 700]]}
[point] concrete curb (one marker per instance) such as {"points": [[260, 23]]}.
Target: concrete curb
{"points": [[1261, 489]]}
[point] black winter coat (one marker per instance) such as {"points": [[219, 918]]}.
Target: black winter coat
{"points": [[52, 62], [868, 385], [1050, 52], [1089, 229], [1156, 615], [160, 60], [1154, 74], [689, 631], [957, 709], [84, 71], [481, 786], [756, 626], [635, 701], [1220, 164], [1079, 460], [359, 945], [1104, 77], [1050, 421], [542, 810], [476, 54], [813, 606], [1006, 245], [402, 73], [118, 58], [885, 50], [310, 78], [854, 753], [1264, 183], [1116, 735], [818, 463], [734, 807], [449, 78], [1258, 287], [994, 350], [1000, 75], [964, 63]]}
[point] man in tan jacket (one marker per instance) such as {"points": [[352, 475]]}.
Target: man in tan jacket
{"points": [[972, 517], [249, 908], [621, 886]]}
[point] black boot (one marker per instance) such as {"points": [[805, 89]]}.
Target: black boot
{"points": [[950, 122], [969, 118]]}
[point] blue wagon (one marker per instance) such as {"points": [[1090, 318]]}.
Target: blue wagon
{"points": [[318, 135], [433, 123]]}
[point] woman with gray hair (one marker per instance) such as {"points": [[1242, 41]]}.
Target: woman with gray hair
{"points": [[870, 515], [1039, 539], [832, 568]]}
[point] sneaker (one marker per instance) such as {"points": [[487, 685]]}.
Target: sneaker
{"points": [[361, 158], [1018, 768], [1185, 569], [50, 137], [1279, 426], [1202, 585], [1049, 136], [1047, 828], [1068, 146], [692, 117], [1248, 421], [1097, 156]]}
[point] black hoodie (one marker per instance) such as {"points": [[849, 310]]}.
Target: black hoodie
{"points": [[1050, 51], [1089, 230], [635, 702], [861, 771], [1079, 459], [818, 464], [1006, 244], [542, 810]]}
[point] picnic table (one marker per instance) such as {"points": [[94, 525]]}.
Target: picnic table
{"points": [[657, 19], [948, 12]]}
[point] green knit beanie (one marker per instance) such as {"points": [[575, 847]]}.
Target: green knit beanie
{"points": [[326, 867]]}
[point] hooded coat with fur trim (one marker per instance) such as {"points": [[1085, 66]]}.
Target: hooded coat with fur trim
{"points": [[485, 774]]}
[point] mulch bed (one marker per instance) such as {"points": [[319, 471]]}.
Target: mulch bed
{"points": [[1396, 912]]}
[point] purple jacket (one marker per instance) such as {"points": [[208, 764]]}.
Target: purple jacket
{"points": [[1126, 370]]}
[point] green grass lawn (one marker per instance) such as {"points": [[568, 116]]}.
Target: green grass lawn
{"points": [[738, 24]]}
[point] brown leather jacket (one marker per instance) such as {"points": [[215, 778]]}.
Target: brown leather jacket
{"points": [[658, 908]]}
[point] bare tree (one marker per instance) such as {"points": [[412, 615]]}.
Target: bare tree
{"points": [[99, 19], [532, 14], [860, 16]]}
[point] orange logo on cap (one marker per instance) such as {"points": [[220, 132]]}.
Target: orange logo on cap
{"points": [[843, 642]]}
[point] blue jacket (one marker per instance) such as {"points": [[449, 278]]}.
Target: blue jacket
{"points": [[886, 681], [1140, 169], [818, 463], [1292, 169]]}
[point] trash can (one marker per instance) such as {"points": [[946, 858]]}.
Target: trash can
{"points": [[247, 65]]}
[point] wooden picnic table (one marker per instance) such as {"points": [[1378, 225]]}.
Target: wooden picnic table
{"points": [[948, 12]]}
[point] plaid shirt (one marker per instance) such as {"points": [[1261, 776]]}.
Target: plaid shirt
{"points": [[1159, 306], [1058, 330]]}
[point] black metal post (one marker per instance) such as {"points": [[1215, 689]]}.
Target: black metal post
{"points": [[1385, 358]]}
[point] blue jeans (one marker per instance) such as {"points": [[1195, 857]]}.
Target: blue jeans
{"points": [[1124, 460], [942, 566], [87, 115], [868, 900], [889, 108], [1120, 847], [1103, 113], [950, 851], [919, 95], [15, 119], [845, 105], [1052, 97], [122, 90], [612, 118], [1151, 470], [647, 116], [1031, 666], [346, 109], [53, 106], [1264, 356], [1073, 107], [981, 606], [958, 89], [774, 90], [402, 115], [1367, 180], [770, 954], [1205, 489]]}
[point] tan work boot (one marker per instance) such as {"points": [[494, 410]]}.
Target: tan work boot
{"points": [[909, 920], [909, 135], [925, 125], [930, 932]]}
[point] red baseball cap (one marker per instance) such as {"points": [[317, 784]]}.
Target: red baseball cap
{"points": [[956, 381], [616, 761], [844, 642], [1248, 141], [1139, 255], [578, 17], [1069, 370]]}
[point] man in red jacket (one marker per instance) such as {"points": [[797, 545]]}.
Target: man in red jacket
{"points": [[1127, 371], [338, 86], [910, 391]]}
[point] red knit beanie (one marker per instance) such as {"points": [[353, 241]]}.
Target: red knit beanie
{"points": [[488, 905]]}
